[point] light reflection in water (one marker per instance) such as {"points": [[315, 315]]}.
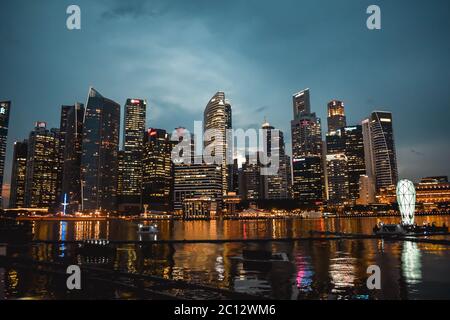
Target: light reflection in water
{"points": [[342, 272], [62, 237], [411, 262], [318, 269]]}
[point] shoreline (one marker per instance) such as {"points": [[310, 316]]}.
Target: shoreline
{"points": [[124, 218]]}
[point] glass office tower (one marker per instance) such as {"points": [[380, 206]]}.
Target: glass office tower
{"points": [[5, 109], [99, 160]]}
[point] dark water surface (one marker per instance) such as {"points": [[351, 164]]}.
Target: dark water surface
{"points": [[321, 269]]}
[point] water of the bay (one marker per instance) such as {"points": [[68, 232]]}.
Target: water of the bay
{"points": [[320, 269]]}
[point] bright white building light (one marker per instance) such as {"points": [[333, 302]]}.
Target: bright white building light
{"points": [[406, 198]]}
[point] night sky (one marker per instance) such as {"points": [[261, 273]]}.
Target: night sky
{"points": [[177, 54]]}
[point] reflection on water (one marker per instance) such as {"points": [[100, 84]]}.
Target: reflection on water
{"points": [[315, 269], [411, 264]]}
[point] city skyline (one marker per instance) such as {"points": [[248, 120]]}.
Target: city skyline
{"points": [[361, 91]]}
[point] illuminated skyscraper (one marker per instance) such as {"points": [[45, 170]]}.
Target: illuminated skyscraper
{"points": [[379, 147], [5, 109], [218, 116], [99, 160], [157, 170], [71, 138], [308, 174], [251, 182], [337, 168], [18, 174], [301, 103], [276, 186], [134, 128], [308, 184], [366, 191], [336, 115], [42, 167], [354, 151], [196, 180], [121, 166]]}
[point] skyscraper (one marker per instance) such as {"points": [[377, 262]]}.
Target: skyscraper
{"points": [[218, 116], [337, 168], [380, 157], [18, 174], [71, 138], [301, 103], [307, 167], [276, 186], [99, 160], [354, 151], [134, 129], [5, 109], [42, 167], [336, 115], [120, 169], [194, 180], [157, 170], [251, 182], [308, 184]]}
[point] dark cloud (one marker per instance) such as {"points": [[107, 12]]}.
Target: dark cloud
{"points": [[131, 9], [177, 54], [417, 153], [261, 109]]}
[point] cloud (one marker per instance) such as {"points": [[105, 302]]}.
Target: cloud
{"points": [[261, 109], [131, 9], [417, 153]]}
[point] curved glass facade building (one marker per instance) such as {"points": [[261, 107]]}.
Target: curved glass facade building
{"points": [[99, 160], [381, 159]]}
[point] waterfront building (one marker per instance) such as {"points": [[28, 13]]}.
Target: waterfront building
{"points": [[432, 193], [120, 168], [71, 138], [251, 181], [230, 202], [18, 174], [5, 110], [218, 116], [99, 160], [62, 144], [308, 179], [42, 167], [336, 115], [157, 179], [307, 167], [199, 179], [354, 151], [275, 186], [234, 177], [200, 208], [133, 137], [379, 147], [338, 186], [366, 191]]}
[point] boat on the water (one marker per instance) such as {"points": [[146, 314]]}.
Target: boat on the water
{"points": [[389, 229], [147, 229], [405, 229]]}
